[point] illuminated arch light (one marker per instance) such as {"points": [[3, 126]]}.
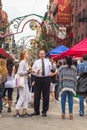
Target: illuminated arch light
{"points": [[33, 25]]}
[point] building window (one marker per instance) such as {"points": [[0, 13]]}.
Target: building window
{"points": [[86, 34], [73, 4], [76, 19], [72, 18], [78, 38], [77, 23], [74, 41], [84, 13], [76, 4], [80, 2], [82, 37], [79, 17]]}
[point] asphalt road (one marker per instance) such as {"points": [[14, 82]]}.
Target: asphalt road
{"points": [[53, 120]]}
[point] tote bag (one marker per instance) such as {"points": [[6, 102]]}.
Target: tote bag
{"points": [[20, 81]]}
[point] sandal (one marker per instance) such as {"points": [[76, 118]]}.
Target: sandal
{"points": [[17, 115], [25, 115]]}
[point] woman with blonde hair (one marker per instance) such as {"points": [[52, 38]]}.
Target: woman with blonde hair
{"points": [[3, 64], [9, 84], [3, 73], [23, 71]]}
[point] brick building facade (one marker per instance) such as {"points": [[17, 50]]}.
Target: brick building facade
{"points": [[79, 20], [3, 18], [3, 23]]}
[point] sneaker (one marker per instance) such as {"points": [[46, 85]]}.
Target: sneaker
{"points": [[9, 110], [5, 104], [56, 101], [81, 114]]}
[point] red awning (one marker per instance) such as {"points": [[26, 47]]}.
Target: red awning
{"points": [[78, 50], [5, 54]]}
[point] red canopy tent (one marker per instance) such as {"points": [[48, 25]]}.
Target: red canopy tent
{"points": [[3, 53], [78, 50]]}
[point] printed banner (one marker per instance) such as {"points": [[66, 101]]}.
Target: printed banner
{"points": [[64, 11]]}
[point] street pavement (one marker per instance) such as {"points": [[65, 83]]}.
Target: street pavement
{"points": [[52, 122]]}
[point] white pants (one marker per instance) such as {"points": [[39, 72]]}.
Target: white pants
{"points": [[23, 98]]}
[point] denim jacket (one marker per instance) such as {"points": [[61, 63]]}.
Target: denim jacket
{"points": [[82, 67]]}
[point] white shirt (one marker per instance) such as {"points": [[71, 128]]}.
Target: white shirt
{"points": [[37, 67], [10, 83]]}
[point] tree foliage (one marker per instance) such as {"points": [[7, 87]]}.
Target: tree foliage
{"points": [[45, 42]]}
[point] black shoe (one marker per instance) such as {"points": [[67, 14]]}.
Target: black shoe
{"points": [[9, 110], [25, 115], [81, 114], [44, 114], [17, 115], [35, 114]]}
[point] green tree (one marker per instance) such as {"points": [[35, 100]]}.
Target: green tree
{"points": [[45, 42]]}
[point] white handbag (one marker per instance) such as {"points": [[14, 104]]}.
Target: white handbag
{"points": [[20, 81]]}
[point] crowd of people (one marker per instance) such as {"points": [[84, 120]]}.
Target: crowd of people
{"points": [[43, 77]]}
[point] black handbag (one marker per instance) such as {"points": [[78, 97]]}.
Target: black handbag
{"points": [[82, 84], [54, 79]]}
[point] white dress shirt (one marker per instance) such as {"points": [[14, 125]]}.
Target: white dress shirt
{"points": [[37, 67]]}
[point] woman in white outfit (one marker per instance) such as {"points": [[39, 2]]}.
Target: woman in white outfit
{"points": [[23, 91]]}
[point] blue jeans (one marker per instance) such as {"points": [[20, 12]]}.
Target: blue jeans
{"points": [[81, 104], [1, 95], [64, 95]]}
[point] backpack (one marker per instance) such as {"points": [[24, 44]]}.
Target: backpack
{"points": [[82, 84]]}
